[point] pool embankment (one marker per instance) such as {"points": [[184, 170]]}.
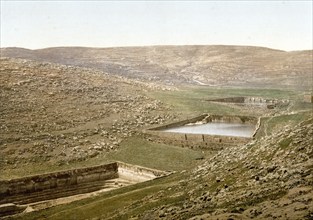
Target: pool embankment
{"points": [[202, 141], [17, 193]]}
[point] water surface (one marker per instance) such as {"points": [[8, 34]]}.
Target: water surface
{"points": [[216, 128]]}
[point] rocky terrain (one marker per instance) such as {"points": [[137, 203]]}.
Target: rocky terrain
{"points": [[198, 65], [63, 108], [270, 178], [54, 114]]}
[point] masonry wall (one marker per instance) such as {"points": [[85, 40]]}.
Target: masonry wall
{"points": [[308, 98], [201, 141], [205, 118], [70, 182], [180, 123], [137, 173], [196, 141], [56, 180], [232, 119], [230, 99], [245, 100]]}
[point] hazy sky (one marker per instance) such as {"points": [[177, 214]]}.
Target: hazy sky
{"points": [[285, 25]]}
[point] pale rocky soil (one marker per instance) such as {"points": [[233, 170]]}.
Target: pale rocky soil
{"points": [[57, 114]]}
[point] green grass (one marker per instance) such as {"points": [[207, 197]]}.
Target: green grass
{"points": [[113, 202], [298, 105], [150, 205], [134, 150], [47, 167], [212, 92], [192, 100], [159, 156], [192, 103], [284, 143], [277, 123], [248, 202]]}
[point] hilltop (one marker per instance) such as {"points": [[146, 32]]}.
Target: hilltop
{"points": [[215, 65]]}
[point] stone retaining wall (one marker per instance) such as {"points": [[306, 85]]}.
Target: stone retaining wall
{"points": [[70, 179], [16, 193], [230, 100], [258, 101], [196, 141], [251, 100], [179, 123], [56, 180], [137, 173], [202, 141]]}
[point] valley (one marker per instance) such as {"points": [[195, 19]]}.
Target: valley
{"points": [[65, 109]]}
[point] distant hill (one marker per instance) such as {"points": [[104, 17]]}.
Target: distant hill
{"points": [[215, 65]]}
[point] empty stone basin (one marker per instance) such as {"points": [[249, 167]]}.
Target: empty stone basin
{"points": [[46, 190]]}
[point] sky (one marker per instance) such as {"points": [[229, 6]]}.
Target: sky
{"points": [[285, 25]]}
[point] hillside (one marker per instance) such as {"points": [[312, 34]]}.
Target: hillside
{"points": [[269, 178], [198, 65], [68, 108], [55, 115]]}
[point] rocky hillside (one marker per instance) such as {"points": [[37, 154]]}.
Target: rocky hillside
{"points": [[82, 104], [270, 178], [202, 65], [54, 114]]}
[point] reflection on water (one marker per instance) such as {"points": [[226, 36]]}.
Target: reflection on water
{"points": [[216, 128]]}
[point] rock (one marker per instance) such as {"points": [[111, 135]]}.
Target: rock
{"points": [[162, 214]]}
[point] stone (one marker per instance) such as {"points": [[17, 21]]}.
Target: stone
{"points": [[162, 214]]}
